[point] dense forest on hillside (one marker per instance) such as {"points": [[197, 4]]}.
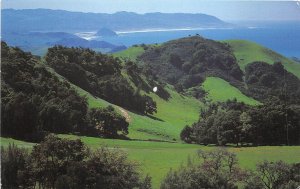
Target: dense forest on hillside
{"points": [[273, 123], [100, 75], [265, 81], [35, 102], [186, 62]]}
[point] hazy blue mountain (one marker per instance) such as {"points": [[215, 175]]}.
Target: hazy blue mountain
{"points": [[296, 59], [79, 42], [38, 42], [37, 29], [105, 32], [60, 20]]}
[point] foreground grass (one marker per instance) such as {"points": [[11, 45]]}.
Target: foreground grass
{"points": [[220, 90], [156, 158], [247, 52]]}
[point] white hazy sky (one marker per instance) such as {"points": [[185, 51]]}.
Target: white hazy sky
{"points": [[225, 9]]}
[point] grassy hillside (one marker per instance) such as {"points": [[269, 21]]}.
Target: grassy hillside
{"points": [[131, 53], [166, 124], [179, 110], [220, 90], [247, 52], [174, 114], [156, 158]]}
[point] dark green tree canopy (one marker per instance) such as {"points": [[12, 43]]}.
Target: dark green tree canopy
{"points": [[100, 75], [273, 123], [68, 164], [35, 101], [187, 61]]}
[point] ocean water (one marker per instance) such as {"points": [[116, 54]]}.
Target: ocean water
{"points": [[280, 37]]}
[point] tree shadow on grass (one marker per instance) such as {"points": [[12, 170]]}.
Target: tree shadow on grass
{"points": [[155, 118]]}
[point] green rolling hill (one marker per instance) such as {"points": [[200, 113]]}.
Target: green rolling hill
{"points": [[155, 140], [247, 52], [220, 90], [165, 125], [179, 110]]}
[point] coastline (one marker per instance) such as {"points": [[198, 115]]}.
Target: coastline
{"points": [[168, 30]]}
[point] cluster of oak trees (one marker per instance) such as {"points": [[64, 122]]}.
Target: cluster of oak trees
{"points": [[35, 102], [220, 169], [68, 164], [265, 81], [58, 163], [273, 123], [100, 75], [186, 62]]}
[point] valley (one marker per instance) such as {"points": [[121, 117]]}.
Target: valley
{"points": [[154, 140]]}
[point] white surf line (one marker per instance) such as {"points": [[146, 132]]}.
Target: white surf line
{"points": [[166, 30], [86, 35]]}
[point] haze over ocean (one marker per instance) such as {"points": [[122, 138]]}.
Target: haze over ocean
{"points": [[282, 37]]}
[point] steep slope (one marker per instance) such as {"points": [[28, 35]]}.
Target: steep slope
{"points": [[186, 62], [34, 101], [174, 113], [247, 52], [220, 90], [165, 125], [216, 89], [101, 75]]}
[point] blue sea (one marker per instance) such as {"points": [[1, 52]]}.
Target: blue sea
{"points": [[281, 37]]}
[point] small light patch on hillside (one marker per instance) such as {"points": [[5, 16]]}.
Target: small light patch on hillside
{"points": [[220, 90], [131, 53]]}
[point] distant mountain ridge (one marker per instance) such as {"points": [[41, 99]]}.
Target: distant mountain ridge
{"points": [[61, 20], [38, 42]]}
